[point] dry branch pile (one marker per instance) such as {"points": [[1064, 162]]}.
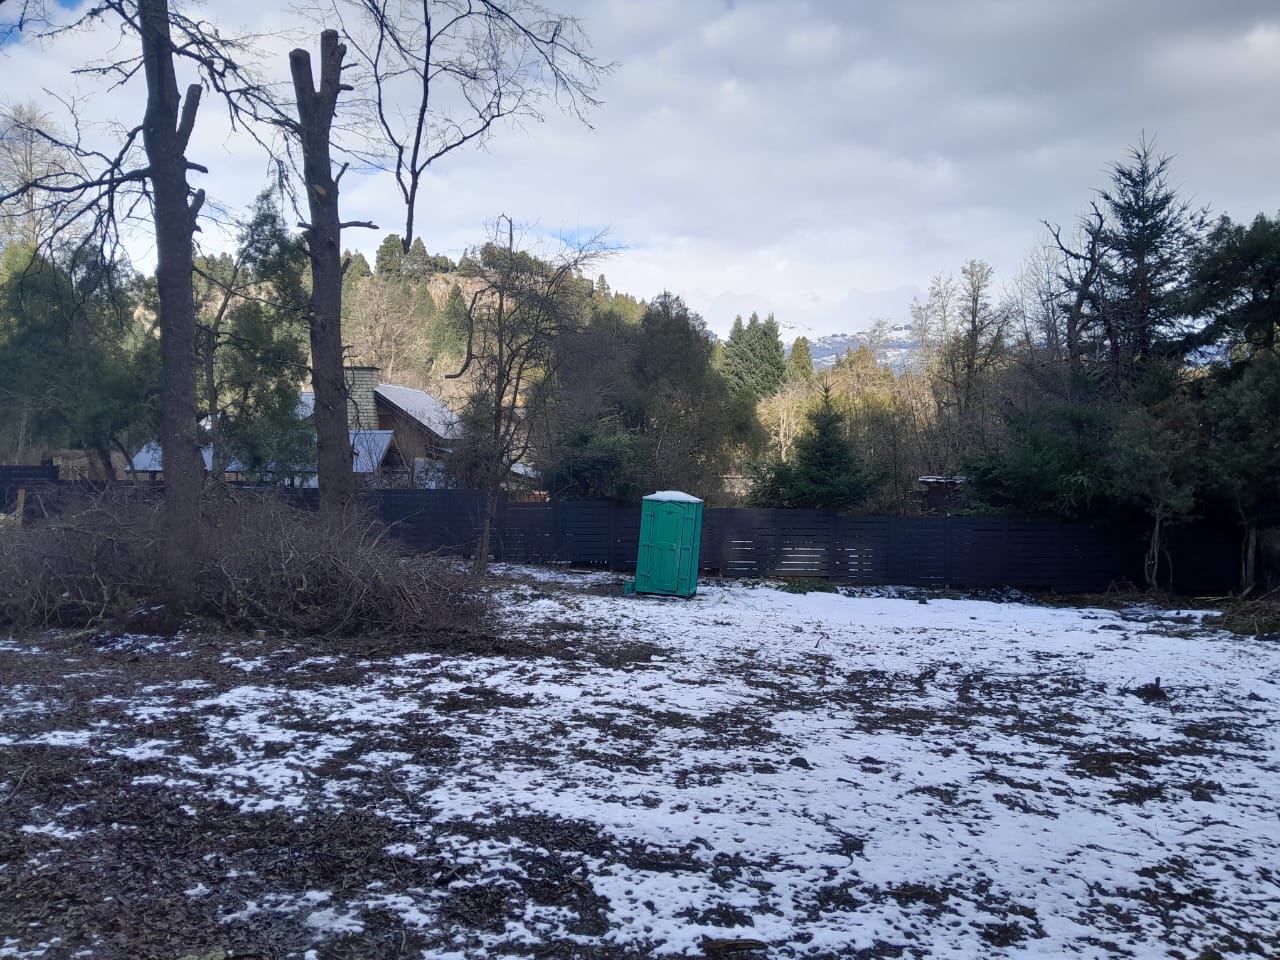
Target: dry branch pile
{"points": [[264, 566]]}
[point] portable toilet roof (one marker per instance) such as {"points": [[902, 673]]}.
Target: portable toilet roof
{"points": [[670, 540]]}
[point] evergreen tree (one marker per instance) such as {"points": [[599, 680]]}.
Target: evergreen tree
{"points": [[416, 264], [1148, 237], [754, 361], [825, 472], [800, 362], [390, 257], [1235, 284], [76, 370], [1242, 456], [252, 350], [358, 267]]}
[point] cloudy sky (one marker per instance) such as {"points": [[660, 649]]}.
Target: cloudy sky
{"points": [[820, 160]]}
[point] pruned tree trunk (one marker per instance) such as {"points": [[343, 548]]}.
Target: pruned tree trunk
{"points": [[1151, 562], [316, 108], [481, 562], [165, 137], [1249, 560]]}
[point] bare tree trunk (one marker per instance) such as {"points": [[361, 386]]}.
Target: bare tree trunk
{"points": [[218, 462], [315, 115], [1249, 560], [165, 137], [1151, 563], [481, 563]]}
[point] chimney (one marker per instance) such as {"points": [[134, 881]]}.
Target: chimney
{"points": [[362, 413]]}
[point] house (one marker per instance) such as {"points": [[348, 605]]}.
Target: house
{"points": [[422, 428], [374, 460], [400, 436], [939, 494]]}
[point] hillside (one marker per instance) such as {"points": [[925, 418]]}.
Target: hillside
{"points": [[898, 349]]}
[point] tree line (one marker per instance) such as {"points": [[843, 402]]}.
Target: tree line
{"points": [[1127, 373]]}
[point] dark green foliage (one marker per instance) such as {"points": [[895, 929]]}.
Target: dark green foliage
{"points": [[1053, 463], [76, 370], [1148, 239], [641, 406], [253, 347], [800, 362], [1235, 285], [754, 362], [598, 461], [358, 267], [393, 262], [390, 256], [1243, 453], [825, 472]]}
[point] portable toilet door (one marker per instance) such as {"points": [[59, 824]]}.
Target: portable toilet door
{"points": [[670, 538]]}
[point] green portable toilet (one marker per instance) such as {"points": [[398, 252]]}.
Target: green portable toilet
{"points": [[670, 537]]}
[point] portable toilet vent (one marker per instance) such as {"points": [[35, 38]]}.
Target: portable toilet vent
{"points": [[670, 537]]}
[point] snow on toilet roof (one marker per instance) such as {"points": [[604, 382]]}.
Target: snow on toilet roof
{"points": [[673, 495]]}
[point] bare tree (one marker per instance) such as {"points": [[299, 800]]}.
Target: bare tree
{"points": [[316, 108], [1081, 276], [120, 184], [31, 152], [514, 319], [389, 325], [443, 73], [932, 319], [975, 345]]}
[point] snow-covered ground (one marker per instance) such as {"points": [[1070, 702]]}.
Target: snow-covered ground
{"points": [[749, 773]]}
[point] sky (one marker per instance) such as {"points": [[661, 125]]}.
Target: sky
{"points": [[817, 160]]}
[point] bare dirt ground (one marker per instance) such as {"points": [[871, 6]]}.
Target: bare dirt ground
{"points": [[749, 774]]}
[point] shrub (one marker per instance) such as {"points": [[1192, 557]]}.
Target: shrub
{"points": [[270, 566], [265, 565], [84, 563]]}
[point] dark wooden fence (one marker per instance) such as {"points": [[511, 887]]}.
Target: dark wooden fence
{"points": [[12, 479], [918, 551], [964, 552]]}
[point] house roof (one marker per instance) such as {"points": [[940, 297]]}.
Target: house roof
{"points": [[369, 447], [147, 460], [421, 407]]}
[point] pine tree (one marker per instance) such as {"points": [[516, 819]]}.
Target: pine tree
{"points": [[416, 264], [390, 257], [800, 363], [825, 472], [754, 362], [1148, 238]]}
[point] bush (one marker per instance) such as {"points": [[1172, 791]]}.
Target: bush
{"points": [[264, 565], [270, 566], [1257, 618], [84, 563]]}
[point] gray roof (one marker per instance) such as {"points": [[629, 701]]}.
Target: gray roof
{"points": [[369, 447], [422, 407], [147, 460]]}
